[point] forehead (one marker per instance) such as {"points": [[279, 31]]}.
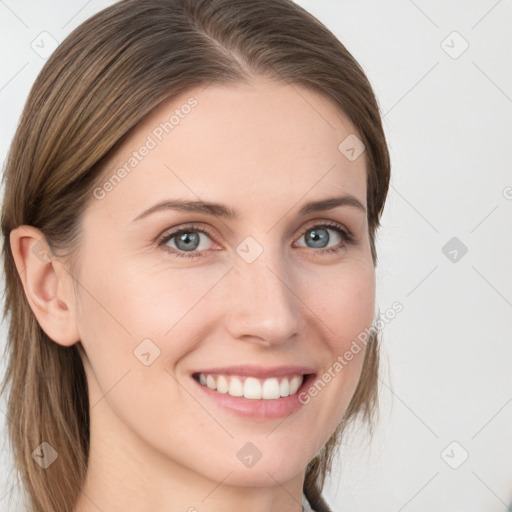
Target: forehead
{"points": [[258, 145]]}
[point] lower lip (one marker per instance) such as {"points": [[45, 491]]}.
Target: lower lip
{"points": [[258, 409]]}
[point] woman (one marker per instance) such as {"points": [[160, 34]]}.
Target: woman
{"points": [[191, 203]]}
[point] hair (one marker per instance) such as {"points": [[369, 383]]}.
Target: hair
{"points": [[100, 82]]}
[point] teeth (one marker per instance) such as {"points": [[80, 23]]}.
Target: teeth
{"points": [[236, 388], [270, 389], [251, 387], [295, 385], [210, 382], [284, 388], [222, 385]]}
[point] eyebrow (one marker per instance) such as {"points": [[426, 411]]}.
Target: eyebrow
{"points": [[220, 210]]}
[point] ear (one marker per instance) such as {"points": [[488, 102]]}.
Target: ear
{"points": [[47, 284]]}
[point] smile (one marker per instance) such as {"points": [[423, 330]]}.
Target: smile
{"points": [[255, 392], [251, 387]]}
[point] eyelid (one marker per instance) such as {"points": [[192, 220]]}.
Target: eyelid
{"points": [[323, 223], [170, 233]]}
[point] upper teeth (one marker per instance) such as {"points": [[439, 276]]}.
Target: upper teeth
{"points": [[251, 387]]}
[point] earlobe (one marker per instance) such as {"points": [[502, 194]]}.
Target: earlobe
{"points": [[46, 283]]}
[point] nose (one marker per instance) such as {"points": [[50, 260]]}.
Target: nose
{"points": [[264, 306]]}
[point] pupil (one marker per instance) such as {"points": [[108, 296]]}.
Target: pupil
{"points": [[188, 241], [319, 237]]}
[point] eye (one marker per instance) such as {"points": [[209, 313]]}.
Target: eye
{"points": [[192, 241], [189, 239], [318, 236]]}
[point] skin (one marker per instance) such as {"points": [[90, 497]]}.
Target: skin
{"points": [[157, 444]]}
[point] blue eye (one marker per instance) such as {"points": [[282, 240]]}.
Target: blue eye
{"points": [[186, 240], [320, 237], [188, 243]]}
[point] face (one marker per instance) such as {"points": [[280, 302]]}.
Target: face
{"points": [[272, 291]]}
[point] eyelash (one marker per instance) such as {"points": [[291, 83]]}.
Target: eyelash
{"points": [[347, 239]]}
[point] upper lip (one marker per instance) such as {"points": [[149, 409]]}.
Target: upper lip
{"points": [[259, 371]]}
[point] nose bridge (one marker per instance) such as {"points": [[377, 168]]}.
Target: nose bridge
{"points": [[263, 301]]}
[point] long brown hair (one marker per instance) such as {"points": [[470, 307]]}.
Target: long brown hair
{"points": [[99, 83]]}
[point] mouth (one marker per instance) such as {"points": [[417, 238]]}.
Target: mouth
{"points": [[251, 387], [258, 393]]}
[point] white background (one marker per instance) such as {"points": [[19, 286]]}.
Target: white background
{"points": [[447, 357]]}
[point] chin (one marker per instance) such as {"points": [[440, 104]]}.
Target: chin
{"points": [[264, 475]]}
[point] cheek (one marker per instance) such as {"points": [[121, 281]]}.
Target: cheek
{"points": [[344, 303], [128, 304], [344, 300], [144, 301]]}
